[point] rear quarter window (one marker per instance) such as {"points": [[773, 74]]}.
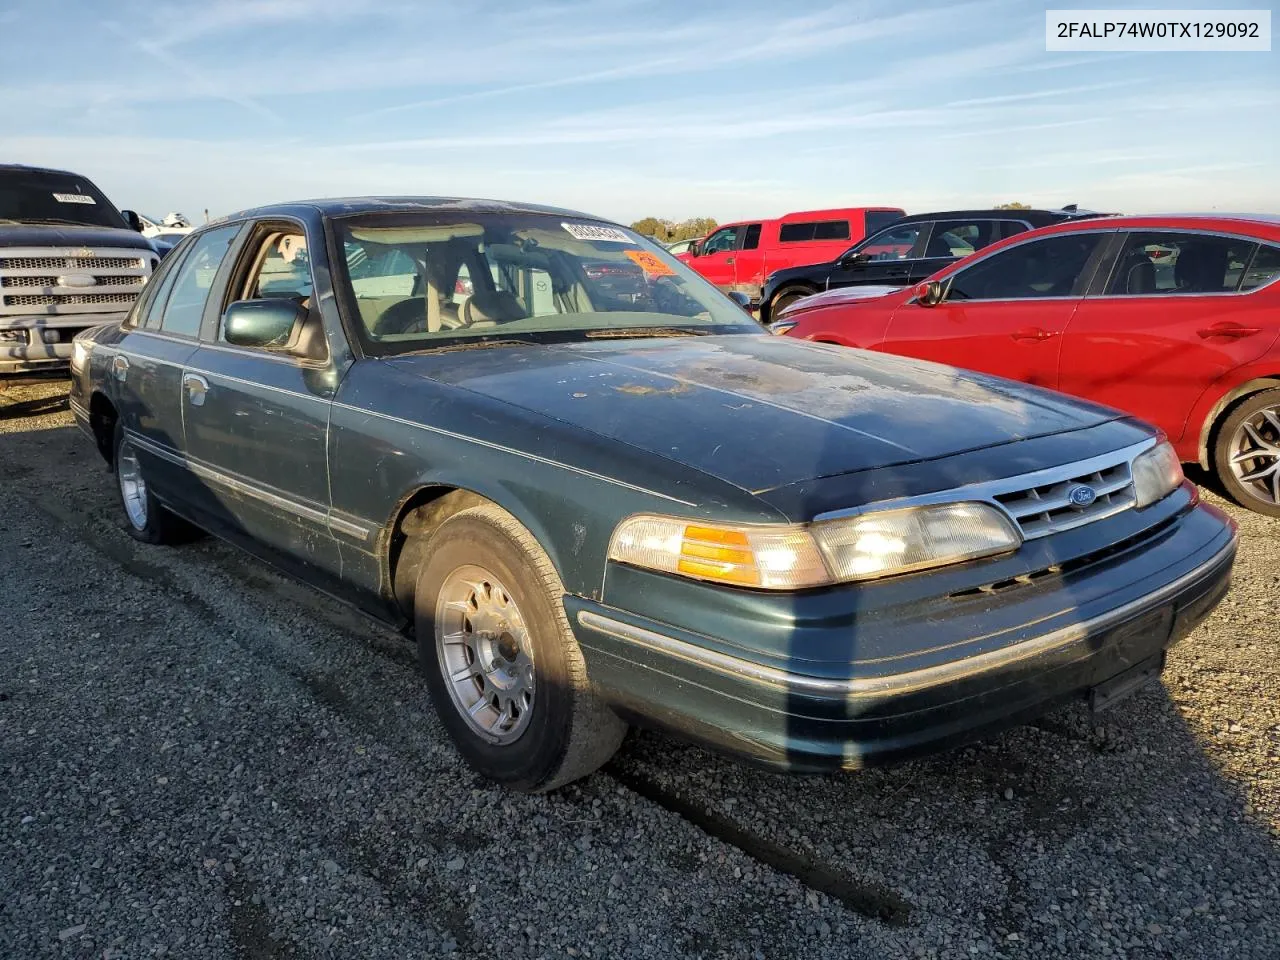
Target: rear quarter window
{"points": [[804, 231]]}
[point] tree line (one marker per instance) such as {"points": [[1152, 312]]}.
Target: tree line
{"points": [[669, 231]]}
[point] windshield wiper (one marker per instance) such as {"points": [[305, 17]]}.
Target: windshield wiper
{"points": [[623, 333]]}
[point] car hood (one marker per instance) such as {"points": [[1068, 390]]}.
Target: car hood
{"points": [[759, 411], [65, 235], [840, 295]]}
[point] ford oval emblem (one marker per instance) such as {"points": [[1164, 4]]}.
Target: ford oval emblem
{"points": [[79, 280], [1082, 496]]}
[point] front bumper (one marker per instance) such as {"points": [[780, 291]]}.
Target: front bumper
{"points": [[1051, 644], [44, 344]]}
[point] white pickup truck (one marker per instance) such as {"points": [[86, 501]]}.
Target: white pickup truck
{"points": [[69, 260]]}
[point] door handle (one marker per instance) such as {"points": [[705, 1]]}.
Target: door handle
{"points": [[1031, 333], [196, 387], [120, 367], [1232, 330], [728, 259]]}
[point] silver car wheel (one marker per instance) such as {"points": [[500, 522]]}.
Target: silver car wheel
{"points": [[1255, 455], [133, 488], [483, 648]]}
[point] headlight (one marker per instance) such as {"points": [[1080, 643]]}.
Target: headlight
{"points": [[794, 557], [782, 327], [1156, 474]]}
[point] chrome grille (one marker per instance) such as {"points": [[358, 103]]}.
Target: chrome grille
{"points": [[1044, 508], [68, 299], [54, 281], [51, 283], [73, 263]]}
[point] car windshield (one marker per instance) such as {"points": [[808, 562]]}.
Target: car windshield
{"points": [[416, 283], [40, 196]]}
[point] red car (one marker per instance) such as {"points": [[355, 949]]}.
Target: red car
{"points": [[737, 257], [1174, 319]]}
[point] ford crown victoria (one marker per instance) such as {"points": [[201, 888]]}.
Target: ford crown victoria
{"points": [[593, 509]]}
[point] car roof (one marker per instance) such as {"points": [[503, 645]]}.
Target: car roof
{"points": [[27, 168], [1007, 213], [353, 206], [1265, 224]]}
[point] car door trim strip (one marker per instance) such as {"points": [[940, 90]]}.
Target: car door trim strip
{"points": [[359, 531]]}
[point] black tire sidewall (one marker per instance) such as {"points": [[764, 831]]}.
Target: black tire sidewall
{"points": [[1237, 491], [536, 756], [784, 299]]}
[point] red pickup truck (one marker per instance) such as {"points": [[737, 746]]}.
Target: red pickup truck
{"points": [[738, 256]]}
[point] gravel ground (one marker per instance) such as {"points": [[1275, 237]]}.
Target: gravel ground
{"points": [[200, 758]]}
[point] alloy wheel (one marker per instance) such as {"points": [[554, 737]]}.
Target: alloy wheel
{"points": [[133, 488], [1255, 455], [483, 647]]}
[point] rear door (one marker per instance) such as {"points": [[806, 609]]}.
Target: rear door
{"points": [[718, 254], [257, 418], [1006, 313], [1172, 317], [147, 369], [749, 263]]}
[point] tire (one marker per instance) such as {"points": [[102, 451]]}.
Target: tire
{"points": [[145, 518], [1252, 427], [784, 298], [486, 584]]}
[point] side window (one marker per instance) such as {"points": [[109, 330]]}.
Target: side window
{"points": [[284, 269], [193, 279], [751, 239], [1052, 267], [831, 230], [1155, 263], [814, 230], [1011, 228], [893, 243], [726, 238], [1264, 268], [959, 238], [151, 303]]}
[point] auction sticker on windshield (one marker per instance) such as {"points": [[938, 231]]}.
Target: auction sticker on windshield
{"points": [[650, 263], [589, 231], [74, 198]]}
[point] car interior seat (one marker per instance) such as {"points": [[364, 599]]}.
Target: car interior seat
{"points": [[486, 308]]}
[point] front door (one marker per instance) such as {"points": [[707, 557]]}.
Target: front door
{"points": [[257, 418], [717, 256], [1173, 318], [884, 258], [1004, 314]]}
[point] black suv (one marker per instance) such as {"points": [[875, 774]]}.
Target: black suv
{"points": [[906, 251]]}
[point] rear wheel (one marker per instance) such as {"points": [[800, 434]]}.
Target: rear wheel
{"points": [[784, 298], [505, 673], [145, 518], [1247, 453]]}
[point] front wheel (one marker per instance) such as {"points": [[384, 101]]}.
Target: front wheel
{"points": [[785, 298], [504, 670], [1246, 456]]}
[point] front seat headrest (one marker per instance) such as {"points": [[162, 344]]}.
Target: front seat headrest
{"points": [[492, 306]]}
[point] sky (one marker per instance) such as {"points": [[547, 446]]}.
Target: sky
{"points": [[628, 108]]}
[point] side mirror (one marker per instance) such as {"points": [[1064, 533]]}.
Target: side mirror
{"points": [[853, 260], [928, 293], [693, 250], [741, 299], [271, 323], [132, 219]]}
